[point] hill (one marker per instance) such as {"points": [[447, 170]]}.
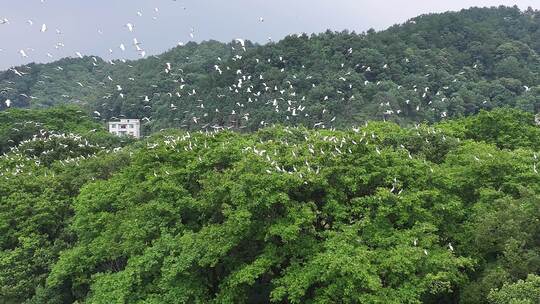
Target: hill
{"points": [[430, 68], [445, 213]]}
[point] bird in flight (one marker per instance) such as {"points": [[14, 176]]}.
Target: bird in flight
{"points": [[241, 41]]}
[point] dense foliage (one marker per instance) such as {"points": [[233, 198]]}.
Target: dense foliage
{"points": [[317, 205], [372, 214], [432, 67], [21, 126], [522, 292]]}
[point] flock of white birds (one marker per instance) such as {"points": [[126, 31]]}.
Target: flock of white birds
{"points": [[331, 147], [303, 160], [286, 101]]}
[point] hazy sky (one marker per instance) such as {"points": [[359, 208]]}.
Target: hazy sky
{"points": [[81, 21]]}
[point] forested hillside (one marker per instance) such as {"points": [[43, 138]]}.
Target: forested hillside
{"points": [[21, 126], [399, 166], [427, 69], [443, 213]]}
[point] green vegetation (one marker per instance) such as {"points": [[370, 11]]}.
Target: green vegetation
{"points": [[440, 203], [522, 292], [433, 67], [18, 126], [375, 214]]}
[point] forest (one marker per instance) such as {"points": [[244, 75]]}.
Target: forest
{"points": [[430, 68], [378, 213], [398, 166]]}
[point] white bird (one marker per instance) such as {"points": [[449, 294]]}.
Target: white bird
{"points": [[97, 113], [8, 103], [79, 54], [527, 89], [122, 47], [43, 28], [241, 41], [130, 27], [17, 72], [23, 53]]}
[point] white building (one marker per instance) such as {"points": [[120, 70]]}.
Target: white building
{"points": [[129, 127]]}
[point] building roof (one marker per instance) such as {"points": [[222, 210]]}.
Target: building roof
{"points": [[125, 120]]}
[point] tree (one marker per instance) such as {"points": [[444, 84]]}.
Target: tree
{"points": [[521, 292]]}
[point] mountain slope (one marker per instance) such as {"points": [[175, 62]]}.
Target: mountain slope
{"points": [[432, 67], [377, 214]]}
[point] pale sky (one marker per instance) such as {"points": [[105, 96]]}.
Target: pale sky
{"points": [[80, 21]]}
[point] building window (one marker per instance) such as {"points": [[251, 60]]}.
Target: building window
{"points": [[131, 126], [113, 126]]}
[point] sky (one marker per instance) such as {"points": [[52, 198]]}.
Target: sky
{"points": [[95, 27]]}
